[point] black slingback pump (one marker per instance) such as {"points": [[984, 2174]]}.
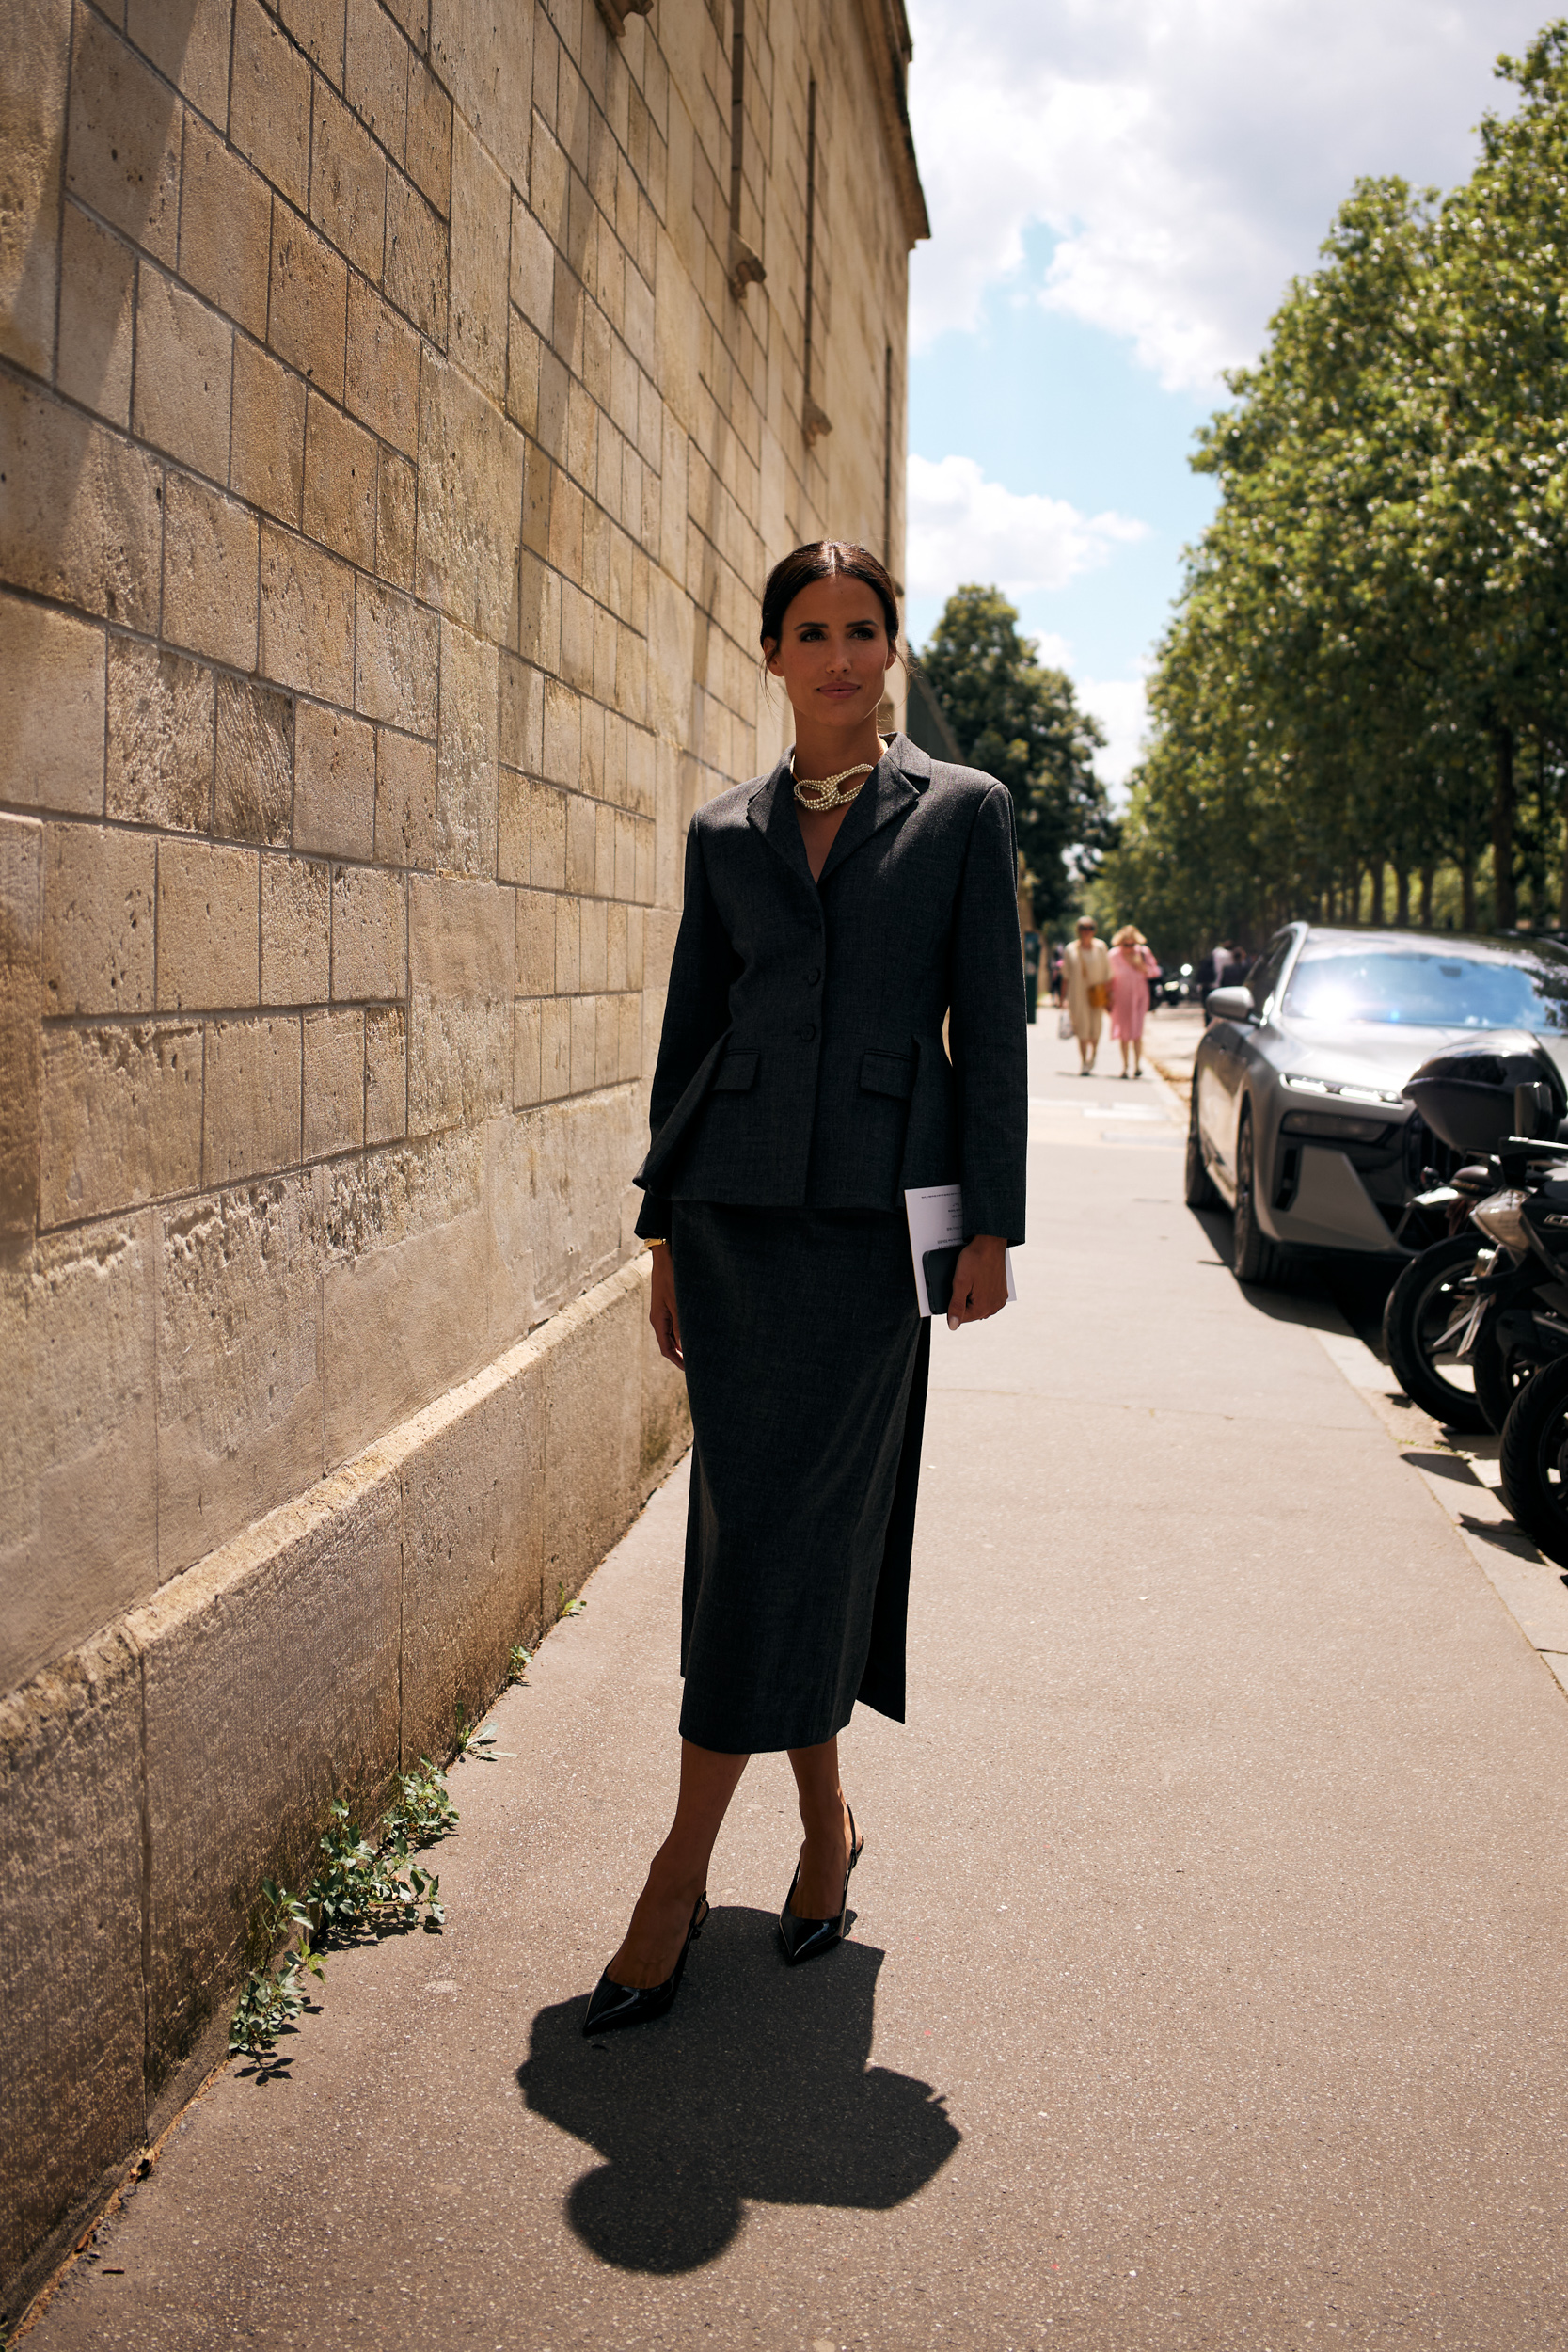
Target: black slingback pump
{"points": [[617, 2005], [803, 1939]]}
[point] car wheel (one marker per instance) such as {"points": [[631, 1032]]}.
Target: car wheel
{"points": [[1423, 1308], [1200, 1191], [1256, 1258], [1534, 1459]]}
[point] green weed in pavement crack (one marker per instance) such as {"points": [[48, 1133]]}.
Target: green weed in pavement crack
{"points": [[361, 1887]]}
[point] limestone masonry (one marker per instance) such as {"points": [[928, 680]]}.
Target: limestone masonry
{"points": [[399, 408]]}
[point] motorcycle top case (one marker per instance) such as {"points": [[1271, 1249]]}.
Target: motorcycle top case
{"points": [[1466, 1095]]}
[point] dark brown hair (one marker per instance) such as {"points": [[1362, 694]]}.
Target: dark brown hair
{"points": [[819, 560]]}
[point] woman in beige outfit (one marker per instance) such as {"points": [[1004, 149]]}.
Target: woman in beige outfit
{"points": [[1086, 986]]}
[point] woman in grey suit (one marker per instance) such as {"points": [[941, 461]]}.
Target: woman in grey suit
{"points": [[838, 913]]}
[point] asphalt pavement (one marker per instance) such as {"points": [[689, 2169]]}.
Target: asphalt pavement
{"points": [[1206, 1982]]}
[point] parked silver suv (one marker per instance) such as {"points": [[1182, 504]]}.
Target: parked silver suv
{"points": [[1298, 1123]]}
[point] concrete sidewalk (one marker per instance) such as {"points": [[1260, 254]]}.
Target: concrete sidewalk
{"points": [[1207, 1986]]}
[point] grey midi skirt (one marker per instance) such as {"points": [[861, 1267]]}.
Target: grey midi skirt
{"points": [[806, 1362]]}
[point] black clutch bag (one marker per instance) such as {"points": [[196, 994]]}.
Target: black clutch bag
{"points": [[940, 1266]]}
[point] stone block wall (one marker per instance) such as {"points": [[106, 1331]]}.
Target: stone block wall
{"points": [[394, 435]]}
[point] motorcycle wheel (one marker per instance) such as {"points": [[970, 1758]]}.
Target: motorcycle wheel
{"points": [[1200, 1190], [1256, 1258], [1421, 1306], [1534, 1459], [1499, 1381]]}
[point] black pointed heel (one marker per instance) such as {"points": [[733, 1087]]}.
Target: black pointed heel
{"points": [[617, 2005], [803, 1939]]}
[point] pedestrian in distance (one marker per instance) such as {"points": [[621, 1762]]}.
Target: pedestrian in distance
{"points": [[1212, 969], [837, 912], [1086, 985], [1133, 966]]}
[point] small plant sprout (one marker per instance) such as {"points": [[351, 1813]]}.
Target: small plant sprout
{"points": [[564, 1607], [423, 1811], [274, 1995], [475, 1740], [519, 1660]]}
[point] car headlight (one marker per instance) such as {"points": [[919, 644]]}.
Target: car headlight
{"points": [[1501, 1214], [1329, 1128], [1331, 1090]]}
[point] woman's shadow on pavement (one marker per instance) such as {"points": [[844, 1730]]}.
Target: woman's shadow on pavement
{"points": [[755, 2086]]}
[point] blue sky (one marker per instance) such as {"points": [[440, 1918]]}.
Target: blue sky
{"points": [[1051, 405], [1119, 192]]}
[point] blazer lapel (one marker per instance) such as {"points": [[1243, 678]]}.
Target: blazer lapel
{"points": [[900, 778], [772, 809]]}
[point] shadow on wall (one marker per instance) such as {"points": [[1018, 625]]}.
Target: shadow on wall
{"points": [[755, 2086]]}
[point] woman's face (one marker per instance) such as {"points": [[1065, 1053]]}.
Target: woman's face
{"points": [[834, 655]]}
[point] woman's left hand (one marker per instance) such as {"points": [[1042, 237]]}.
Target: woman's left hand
{"points": [[979, 1281]]}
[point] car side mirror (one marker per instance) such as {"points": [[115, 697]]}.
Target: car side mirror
{"points": [[1230, 1004]]}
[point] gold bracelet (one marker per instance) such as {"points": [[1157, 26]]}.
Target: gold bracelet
{"points": [[660, 1244]]}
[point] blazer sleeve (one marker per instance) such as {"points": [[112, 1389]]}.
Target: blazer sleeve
{"points": [[988, 1030], [696, 1011]]}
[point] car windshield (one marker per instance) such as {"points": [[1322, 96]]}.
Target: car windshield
{"points": [[1426, 990]]}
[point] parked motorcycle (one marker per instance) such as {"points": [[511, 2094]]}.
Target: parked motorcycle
{"points": [[1426, 1319], [1501, 1306]]}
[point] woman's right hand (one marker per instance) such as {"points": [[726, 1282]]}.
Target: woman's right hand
{"points": [[663, 1314]]}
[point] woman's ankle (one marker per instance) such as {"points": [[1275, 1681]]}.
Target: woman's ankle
{"points": [[823, 1824], [669, 1880]]}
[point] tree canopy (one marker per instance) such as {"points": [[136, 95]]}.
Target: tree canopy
{"points": [[1020, 721], [1366, 666]]}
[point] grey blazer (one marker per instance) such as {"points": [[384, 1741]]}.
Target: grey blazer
{"points": [[801, 1063]]}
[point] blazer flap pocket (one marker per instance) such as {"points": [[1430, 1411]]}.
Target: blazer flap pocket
{"points": [[735, 1074], [888, 1073]]}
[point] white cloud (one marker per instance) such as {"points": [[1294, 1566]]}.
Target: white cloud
{"points": [[1187, 156], [1121, 707], [1055, 652], [962, 526]]}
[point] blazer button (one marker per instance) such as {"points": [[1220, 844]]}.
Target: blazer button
{"points": [[813, 977], [808, 1031]]}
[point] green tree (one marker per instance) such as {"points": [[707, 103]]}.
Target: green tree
{"points": [[1020, 721], [1367, 666]]}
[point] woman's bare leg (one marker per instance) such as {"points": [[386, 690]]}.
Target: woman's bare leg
{"points": [[825, 1819], [678, 1872]]}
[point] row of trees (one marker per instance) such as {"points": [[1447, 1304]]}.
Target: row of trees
{"points": [[1367, 671]]}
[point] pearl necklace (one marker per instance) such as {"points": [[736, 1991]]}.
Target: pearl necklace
{"points": [[821, 793]]}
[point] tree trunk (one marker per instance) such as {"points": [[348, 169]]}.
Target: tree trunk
{"points": [[1427, 877], [1505, 911], [1374, 913], [1401, 897], [1564, 899], [1468, 892], [1352, 892]]}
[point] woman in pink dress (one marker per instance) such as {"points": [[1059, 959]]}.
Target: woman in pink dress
{"points": [[1131, 969]]}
